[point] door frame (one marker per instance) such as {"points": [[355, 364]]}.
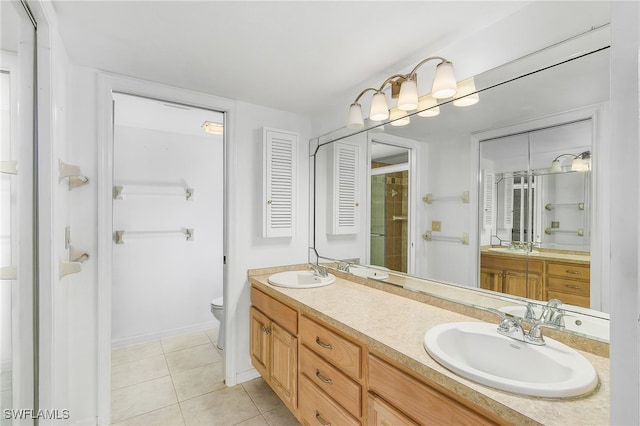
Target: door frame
{"points": [[107, 85], [412, 146]]}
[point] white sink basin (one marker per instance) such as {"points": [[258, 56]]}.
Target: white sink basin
{"points": [[573, 321], [476, 351], [300, 279], [367, 272], [513, 251]]}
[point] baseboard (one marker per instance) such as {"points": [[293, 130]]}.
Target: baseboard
{"points": [[148, 337], [245, 376]]}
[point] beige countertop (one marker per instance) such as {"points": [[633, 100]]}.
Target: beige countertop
{"points": [[395, 326], [544, 254]]}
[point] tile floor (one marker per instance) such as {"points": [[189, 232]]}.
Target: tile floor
{"points": [[179, 381]]}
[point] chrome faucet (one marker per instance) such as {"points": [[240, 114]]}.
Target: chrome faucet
{"points": [[534, 336], [511, 326], [318, 270], [552, 314]]}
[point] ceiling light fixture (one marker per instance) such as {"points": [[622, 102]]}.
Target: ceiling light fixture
{"points": [[405, 88], [213, 128], [580, 163]]}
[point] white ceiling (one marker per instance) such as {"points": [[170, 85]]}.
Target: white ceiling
{"points": [[290, 55]]}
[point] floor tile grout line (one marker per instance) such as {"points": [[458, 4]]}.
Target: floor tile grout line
{"points": [[175, 391]]}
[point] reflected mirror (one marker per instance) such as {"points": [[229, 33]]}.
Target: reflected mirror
{"points": [[496, 197]]}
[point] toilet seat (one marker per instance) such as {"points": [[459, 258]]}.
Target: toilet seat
{"points": [[217, 302]]}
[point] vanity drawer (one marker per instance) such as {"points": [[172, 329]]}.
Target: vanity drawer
{"points": [[280, 313], [342, 389], [416, 399], [318, 409], [569, 270], [334, 348], [580, 288]]}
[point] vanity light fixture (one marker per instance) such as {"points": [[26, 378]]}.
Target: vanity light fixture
{"points": [[580, 163], [213, 128], [405, 88]]}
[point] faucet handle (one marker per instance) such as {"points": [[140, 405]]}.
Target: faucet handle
{"points": [[511, 326]]}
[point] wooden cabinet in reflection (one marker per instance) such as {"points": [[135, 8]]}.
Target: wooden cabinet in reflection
{"points": [[518, 276]]}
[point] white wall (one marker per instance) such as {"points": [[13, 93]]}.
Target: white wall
{"points": [[625, 215], [164, 285], [247, 247]]}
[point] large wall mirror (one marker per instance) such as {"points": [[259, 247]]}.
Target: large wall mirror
{"points": [[497, 200]]}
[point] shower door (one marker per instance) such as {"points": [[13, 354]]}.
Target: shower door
{"points": [[18, 276]]}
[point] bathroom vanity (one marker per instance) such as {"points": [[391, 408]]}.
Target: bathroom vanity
{"points": [[351, 354], [545, 275]]}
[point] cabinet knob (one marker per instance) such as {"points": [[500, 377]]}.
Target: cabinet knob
{"points": [[266, 330], [269, 201]]}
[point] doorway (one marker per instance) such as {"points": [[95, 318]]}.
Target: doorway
{"points": [[168, 205], [390, 201]]}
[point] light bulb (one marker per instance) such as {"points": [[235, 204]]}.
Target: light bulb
{"points": [[444, 83], [399, 118], [355, 117], [408, 98], [379, 108], [466, 93], [428, 106]]}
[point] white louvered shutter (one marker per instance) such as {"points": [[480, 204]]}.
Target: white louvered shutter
{"points": [[344, 215], [489, 179], [280, 172], [508, 203]]}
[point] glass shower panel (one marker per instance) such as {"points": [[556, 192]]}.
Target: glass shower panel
{"points": [[377, 220], [17, 189]]}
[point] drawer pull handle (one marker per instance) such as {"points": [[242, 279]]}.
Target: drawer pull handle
{"points": [[319, 376], [266, 330], [322, 421], [323, 345], [577, 287], [572, 272]]}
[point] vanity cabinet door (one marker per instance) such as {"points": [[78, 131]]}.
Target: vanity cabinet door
{"points": [[491, 279], [260, 341], [273, 348], [523, 284], [283, 363]]}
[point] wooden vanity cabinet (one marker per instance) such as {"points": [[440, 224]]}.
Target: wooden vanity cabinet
{"points": [[569, 282], [522, 277], [330, 376], [398, 398], [274, 345]]}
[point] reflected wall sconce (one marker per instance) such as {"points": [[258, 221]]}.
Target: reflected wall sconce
{"points": [[213, 128], [467, 94], [580, 163], [404, 87]]}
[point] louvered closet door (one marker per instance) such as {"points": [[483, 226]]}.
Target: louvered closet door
{"points": [[344, 204], [280, 172]]}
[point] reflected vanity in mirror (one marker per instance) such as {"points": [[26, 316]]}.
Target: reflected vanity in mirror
{"points": [[493, 203]]}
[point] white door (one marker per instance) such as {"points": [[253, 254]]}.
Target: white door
{"points": [[167, 218]]}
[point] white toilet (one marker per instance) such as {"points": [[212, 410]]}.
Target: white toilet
{"points": [[217, 309]]}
